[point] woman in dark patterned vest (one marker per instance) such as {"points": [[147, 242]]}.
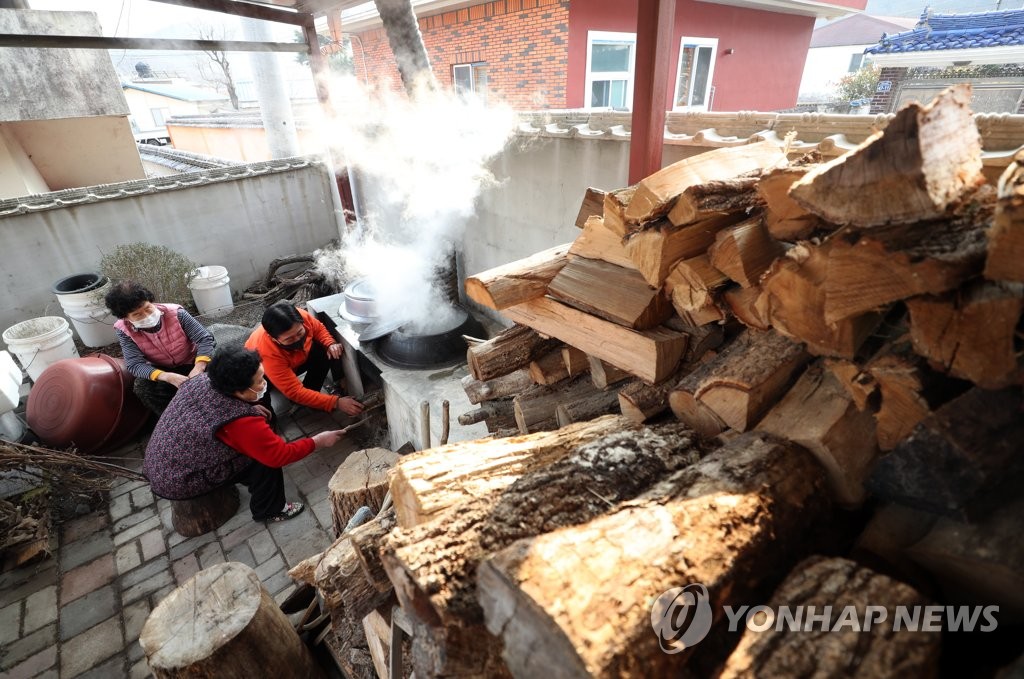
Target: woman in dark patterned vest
{"points": [[214, 432]]}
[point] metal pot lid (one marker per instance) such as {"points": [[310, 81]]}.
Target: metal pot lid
{"points": [[361, 289], [381, 328]]}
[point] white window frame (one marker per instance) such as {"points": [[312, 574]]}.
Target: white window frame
{"points": [[608, 36], [473, 89], [690, 41]]}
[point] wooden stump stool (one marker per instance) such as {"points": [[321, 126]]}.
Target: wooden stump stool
{"points": [[361, 480], [205, 513], [223, 623]]}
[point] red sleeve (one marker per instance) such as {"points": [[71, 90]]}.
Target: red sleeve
{"points": [[253, 437]]}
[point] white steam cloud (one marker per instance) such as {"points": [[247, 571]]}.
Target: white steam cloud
{"points": [[421, 162]]}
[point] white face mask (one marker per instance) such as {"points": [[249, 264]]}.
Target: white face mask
{"points": [[149, 321], [261, 392]]}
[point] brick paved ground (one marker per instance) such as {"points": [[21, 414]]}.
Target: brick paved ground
{"points": [[79, 613]]}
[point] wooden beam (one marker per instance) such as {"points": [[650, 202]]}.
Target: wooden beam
{"points": [[655, 23], [98, 42], [244, 9]]}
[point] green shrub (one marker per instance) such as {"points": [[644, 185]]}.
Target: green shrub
{"points": [[165, 272], [859, 85]]}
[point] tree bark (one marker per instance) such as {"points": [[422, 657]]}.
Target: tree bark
{"points": [[512, 349], [549, 368], [1005, 260], [361, 480], [535, 408], [730, 521], [517, 281], [366, 541], [593, 405], [499, 387], [717, 197], [205, 513]]}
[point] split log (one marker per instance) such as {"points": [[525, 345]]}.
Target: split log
{"points": [[510, 350], [656, 249], [884, 542], [434, 564], [640, 402], [498, 387], [717, 197], [980, 563], [691, 285], [377, 630], [614, 215], [575, 361], [603, 374], [592, 205], [651, 355], [741, 383], [785, 219], [611, 292], [748, 305], [655, 195], [424, 484], [745, 251], [858, 383], [535, 408], [549, 368], [901, 404], [703, 340], [456, 651], [193, 633], [819, 415], [925, 159], [360, 481], [204, 513], [499, 414], [594, 404], [1005, 260], [962, 460], [863, 644], [731, 521], [347, 646], [344, 590], [599, 242], [366, 541], [795, 302], [517, 281], [867, 271], [971, 333]]}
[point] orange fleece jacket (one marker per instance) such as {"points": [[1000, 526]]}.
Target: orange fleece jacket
{"points": [[279, 364]]}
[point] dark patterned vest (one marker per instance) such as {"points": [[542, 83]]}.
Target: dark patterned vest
{"points": [[184, 458]]}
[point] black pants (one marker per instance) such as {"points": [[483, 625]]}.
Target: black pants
{"points": [[316, 367], [266, 489], [157, 395]]}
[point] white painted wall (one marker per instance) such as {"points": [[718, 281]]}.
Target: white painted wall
{"points": [[241, 224], [18, 176], [823, 69]]}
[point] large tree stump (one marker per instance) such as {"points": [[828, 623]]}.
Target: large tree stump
{"points": [[360, 481], [872, 650], [200, 515], [223, 623], [577, 601]]}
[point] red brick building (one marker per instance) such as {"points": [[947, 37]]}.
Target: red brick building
{"points": [[555, 54]]}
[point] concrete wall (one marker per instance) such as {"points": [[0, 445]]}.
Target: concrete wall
{"points": [[247, 145], [18, 176], [45, 84], [239, 223]]}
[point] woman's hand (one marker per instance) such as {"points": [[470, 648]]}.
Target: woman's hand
{"points": [[326, 439], [174, 379], [335, 350], [199, 367], [264, 411], [349, 406]]}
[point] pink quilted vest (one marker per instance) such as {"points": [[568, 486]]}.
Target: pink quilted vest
{"points": [[167, 347]]}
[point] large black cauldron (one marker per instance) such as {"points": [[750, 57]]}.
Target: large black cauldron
{"points": [[407, 348]]}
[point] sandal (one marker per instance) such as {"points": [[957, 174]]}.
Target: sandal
{"points": [[290, 511]]}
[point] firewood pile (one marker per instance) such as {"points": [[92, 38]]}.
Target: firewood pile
{"points": [[791, 382]]}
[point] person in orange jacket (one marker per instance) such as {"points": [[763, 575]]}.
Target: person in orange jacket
{"points": [[291, 341]]}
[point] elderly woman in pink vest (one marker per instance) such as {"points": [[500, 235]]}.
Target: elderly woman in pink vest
{"points": [[162, 344]]}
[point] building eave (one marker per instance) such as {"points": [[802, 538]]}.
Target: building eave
{"points": [[1006, 54], [801, 7]]}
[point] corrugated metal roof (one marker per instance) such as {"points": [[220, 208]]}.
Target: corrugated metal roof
{"points": [[179, 92]]}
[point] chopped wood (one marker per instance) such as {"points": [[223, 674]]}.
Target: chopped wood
{"points": [[604, 374], [610, 292], [651, 355], [703, 340], [924, 160], [366, 541], [424, 484], [971, 333], [691, 285], [576, 362], [594, 404], [863, 646], [795, 302], [655, 250], [510, 350], [884, 541], [716, 197], [498, 414], [743, 381], [859, 383], [497, 387], [655, 195], [463, 651], [549, 368], [377, 629], [901, 405], [592, 205], [819, 415], [572, 490], [535, 408], [962, 460], [748, 305], [360, 481], [786, 219], [1005, 260], [517, 281], [729, 522], [614, 215], [599, 242], [639, 401], [868, 270], [745, 251]]}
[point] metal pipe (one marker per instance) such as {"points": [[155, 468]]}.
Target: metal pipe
{"points": [[104, 43], [243, 9]]}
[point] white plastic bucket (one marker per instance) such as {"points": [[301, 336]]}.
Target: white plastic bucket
{"points": [[39, 342], [89, 314], [211, 290], [10, 383]]}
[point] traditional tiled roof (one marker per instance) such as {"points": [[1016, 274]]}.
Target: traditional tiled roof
{"points": [[182, 161], [936, 32]]}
